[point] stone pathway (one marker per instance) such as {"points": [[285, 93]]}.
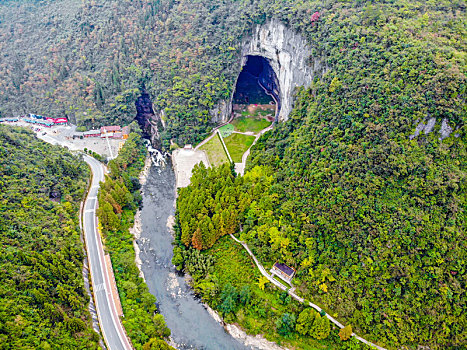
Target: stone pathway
{"points": [[240, 167], [296, 297], [214, 131]]}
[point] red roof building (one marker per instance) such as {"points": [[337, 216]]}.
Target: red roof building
{"points": [[57, 120], [111, 128], [92, 133]]}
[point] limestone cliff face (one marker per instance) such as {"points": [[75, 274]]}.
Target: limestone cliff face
{"points": [[150, 122], [221, 112], [289, 56]]}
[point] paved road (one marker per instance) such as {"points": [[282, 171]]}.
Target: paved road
{"points": [[114, 335]]}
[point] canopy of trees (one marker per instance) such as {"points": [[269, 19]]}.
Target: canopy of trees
{"points": [[373, 221], [43, 302], [88, 60]]}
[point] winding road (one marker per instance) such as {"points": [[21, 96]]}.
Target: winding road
{"points": [[114, 335]]}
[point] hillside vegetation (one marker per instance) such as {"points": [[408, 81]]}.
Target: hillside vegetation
{"points": [[87, 60], [43, 302], [373, 221]]}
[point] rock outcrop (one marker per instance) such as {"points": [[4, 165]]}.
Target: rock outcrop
{"points": [[150, 122], [427, 127], [289, 56]]}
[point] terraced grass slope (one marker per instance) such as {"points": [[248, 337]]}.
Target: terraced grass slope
{"points": [[215, 151]]}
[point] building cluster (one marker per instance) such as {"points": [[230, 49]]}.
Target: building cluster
{"points": [[37, 119], [112, 131]]}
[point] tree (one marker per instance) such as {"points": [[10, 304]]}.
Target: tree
{"points": [[285, 325], [196, 240], [162, 330], [346, 332], [157, 344], [305, 321], [227, 306], [284, 298], [321, 328], [108, 218], [245, 295], [262, 280], [228, 299]]}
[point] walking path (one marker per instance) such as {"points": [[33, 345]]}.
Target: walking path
{"points": [[223, 145], [214, 131], [240, 167], [296, 297]]}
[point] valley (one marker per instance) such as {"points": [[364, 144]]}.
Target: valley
{"points": [[264, 174]]}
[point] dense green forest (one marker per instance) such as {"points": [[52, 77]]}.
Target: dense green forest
{"points": [[88, 60], [373, 221], [43, 302], [119, 198], [224, 276]]}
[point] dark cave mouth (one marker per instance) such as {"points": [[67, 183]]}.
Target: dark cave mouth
{"points": [[257, 83]]}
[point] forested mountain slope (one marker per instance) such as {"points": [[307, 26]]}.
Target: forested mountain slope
{"points": [[89, 59], [384, 214], [373, 221], [43, 303]]}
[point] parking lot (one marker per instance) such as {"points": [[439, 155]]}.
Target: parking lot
{"points": [[63, 135]]}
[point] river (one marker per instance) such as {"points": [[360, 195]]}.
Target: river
{"points": [[191, 325]]}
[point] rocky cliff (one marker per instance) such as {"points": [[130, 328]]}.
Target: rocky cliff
{"points": [[289, 56]]}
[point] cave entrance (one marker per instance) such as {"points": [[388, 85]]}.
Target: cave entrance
{"points": [[150, 123], [144, 112], [257, 90]]}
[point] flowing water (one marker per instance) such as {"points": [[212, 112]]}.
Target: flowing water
{"points": [[191, 325]]}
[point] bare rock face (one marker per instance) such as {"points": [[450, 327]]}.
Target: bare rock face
{"points": [[221, 112], [289, 56], [445, 129], [149, 121]]}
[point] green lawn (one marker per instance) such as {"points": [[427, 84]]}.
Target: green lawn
{"points": [[244, 124], [237, 144], [215, 151], [226, 130]]}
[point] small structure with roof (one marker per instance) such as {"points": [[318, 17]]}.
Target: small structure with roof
{"points": [[125, 132], [92, 133], [110, 129], [38, 121], [283, 271]]}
